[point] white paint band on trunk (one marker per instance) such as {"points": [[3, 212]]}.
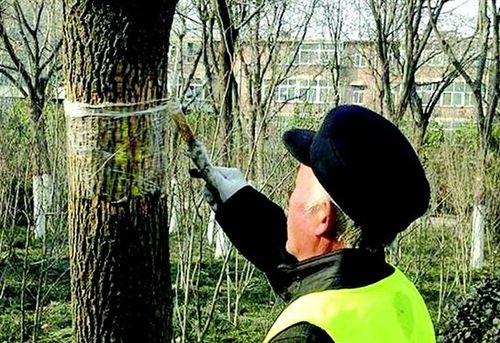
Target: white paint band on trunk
{"points": [[117, 110]]}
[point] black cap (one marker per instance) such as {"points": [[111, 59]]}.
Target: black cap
{"points": [[367, 166]]}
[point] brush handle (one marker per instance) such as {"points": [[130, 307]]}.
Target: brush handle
{"points": [[197, 150]]}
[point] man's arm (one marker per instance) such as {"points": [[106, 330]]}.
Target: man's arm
{"points": [[257, 228], [255, 225]]}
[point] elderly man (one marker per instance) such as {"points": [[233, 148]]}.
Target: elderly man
{"points": [[359, 183]]}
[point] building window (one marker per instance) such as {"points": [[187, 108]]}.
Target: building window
{"points": [[359, 61], [317, 54], [327, 53], [287, 91], [358, 95], [313, 53], [438, 60], [309, 54], [326, 91], [308, 91], [425, 92], [458, 94], [305, 90]]}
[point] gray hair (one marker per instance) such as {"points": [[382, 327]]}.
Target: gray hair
{"points": [[344, 228]]}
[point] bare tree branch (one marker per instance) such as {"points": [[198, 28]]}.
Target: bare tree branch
{"points": [[14, 57], [24, 26], [52, 57], [6, 72]]}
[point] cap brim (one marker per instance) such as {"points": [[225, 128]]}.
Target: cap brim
{"points": [[298, 142]]}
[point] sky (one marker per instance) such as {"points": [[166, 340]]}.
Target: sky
{"points": [[467, 8], [457, 15]]}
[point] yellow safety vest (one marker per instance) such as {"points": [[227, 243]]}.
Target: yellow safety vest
{"points": [[390, 310]]}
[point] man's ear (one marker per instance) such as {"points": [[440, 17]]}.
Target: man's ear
{"points": [[324, 218]]}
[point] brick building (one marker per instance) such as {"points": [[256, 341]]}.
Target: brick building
{"points": [[310, 79]]}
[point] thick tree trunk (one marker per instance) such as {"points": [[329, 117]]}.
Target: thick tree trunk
{"points": [[116, 53]]}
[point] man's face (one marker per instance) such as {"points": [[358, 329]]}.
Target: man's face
{"points": [[300, 223]]}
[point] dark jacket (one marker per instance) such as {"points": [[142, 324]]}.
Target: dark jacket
{"points": [[257, 228]]}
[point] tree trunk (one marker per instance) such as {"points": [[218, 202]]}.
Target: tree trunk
{"points": [[226, 81], [42, 179], [43, 190], [421, 119], [115, 62], [478, 221], [477, 252]]}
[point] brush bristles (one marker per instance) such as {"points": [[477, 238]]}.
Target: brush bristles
{"points": [[183, 127]]}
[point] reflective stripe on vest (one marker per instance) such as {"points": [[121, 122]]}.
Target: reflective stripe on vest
{"points": [[390, 310]]}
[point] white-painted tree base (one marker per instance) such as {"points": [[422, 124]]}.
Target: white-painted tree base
{"points": [[478, 226], [211, 228], [43, 188], [215, 235], [172, 224]]}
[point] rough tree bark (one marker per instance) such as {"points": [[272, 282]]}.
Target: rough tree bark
{"points": [[115, 53]]}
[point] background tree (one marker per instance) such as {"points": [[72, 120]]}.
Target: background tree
{"points": [[485, 84], [273, 39], [30, 41], [402, 30], [226, 89], [333, 16], [387, 23], [115, 68]]}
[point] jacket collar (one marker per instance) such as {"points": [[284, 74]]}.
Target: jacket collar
{"points": [[347, 268]]}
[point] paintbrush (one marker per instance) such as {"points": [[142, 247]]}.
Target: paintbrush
{"points": [[196, 149]]}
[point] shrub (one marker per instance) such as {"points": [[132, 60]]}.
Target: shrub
{"points": [[477, 317]]}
